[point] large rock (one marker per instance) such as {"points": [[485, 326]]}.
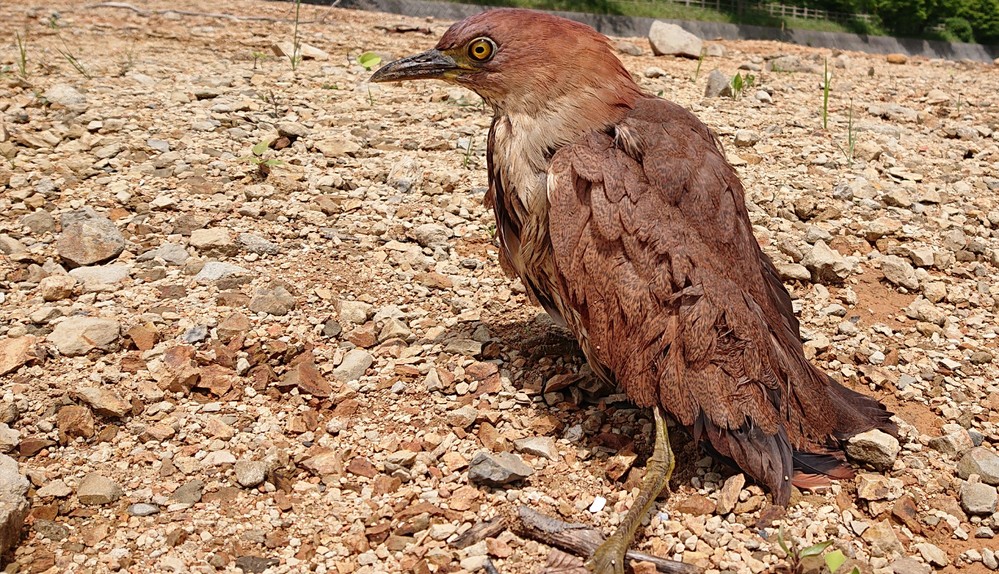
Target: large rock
{"points": [[355, 363], [981, 461], [979, 498], [672, 40], [80, 335], [16, 352], [899, 272], [13, 504], [826, 264], [96, 489], [89, 240], [497, 469], [874, 447]]}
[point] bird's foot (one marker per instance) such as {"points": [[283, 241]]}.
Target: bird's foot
{"points": [[608, 558]]}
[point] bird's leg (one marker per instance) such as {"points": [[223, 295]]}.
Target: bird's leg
{"points": [[609, 557]]}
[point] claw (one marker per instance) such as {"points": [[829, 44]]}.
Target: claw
{"points": [[609, 557]]}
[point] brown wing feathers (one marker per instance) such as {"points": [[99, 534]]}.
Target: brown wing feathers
{"points": [[655, 252]]}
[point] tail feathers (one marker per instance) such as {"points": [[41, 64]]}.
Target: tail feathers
{"points": [[822, 464], [857, 413], [767, 458]]}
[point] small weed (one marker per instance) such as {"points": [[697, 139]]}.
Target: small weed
{"points": [[330, 86], [371, 97], [257, 58], [369, 60], [74, 61], [468, 154], [264, 164], [126, 61], [296, 49], [739, 84], [795, 555], [700, 61], [826, 82], [22, 55]]}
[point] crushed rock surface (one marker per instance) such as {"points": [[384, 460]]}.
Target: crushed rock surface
{"points": [[297, 351]]}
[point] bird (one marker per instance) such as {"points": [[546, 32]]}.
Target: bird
{"points": [[622, 217]]}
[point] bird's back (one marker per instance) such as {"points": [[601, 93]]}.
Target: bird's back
{"points": [[667, 289]]}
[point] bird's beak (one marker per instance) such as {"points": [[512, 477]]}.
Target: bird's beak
{"points": [[430, 65]]}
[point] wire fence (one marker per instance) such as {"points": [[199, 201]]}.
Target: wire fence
{"points": [[775, 9]]}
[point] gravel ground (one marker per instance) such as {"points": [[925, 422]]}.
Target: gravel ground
{"points": [[222, 356]]}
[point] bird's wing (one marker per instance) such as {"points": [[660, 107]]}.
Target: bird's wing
{"points": [[655, 253]]}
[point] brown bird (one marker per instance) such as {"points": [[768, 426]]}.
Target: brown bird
{"points": [[623, 219]]}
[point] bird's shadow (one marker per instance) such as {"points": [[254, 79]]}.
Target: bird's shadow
{"points": [[592, 412]]}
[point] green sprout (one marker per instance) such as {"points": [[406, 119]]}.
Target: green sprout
{"points": [[826, 81], [257, 158], [369, 60], [22, 55]]}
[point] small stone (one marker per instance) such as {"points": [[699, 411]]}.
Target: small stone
{"points": [[672, 40], [250, 473], [170, 253], [879, 487], [101, 274], [353, 312], [696, 505], [91, 239], [597, 505], [718, 85], [104, 402], [255, 564], [897, 59], [431, 235], [74, 422], [355, 363], [213, 241], [982, 461], [305, 51], [628, 48], [825, 264], [462, 417], [883, 540], [956, 442], [728, 495], [13, 504], [932, 554], [55, 489], [275, 300], [143, 509], [538, 446], [66, 96], [307, 378], [898, 271], [15, 352], [9, 438], [874, 447], [80, 335], [215, 270], [56, 287], [746, 138], [978, 498], [96, 489], [188, 493], [908, 565], [990, 559], [497, 469]]}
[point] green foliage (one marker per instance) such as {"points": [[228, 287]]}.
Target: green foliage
{"points": [[960, 28], [834, 560], [369, 60], [826, 81], [740, 84], [22, 55], [700, 60], [296, 51], [74, 61], [257, 157]]}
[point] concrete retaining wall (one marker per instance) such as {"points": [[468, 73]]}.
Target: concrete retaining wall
{"points": [[613, 25]]}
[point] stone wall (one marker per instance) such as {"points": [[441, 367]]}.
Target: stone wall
{"points": [[628, 26]]}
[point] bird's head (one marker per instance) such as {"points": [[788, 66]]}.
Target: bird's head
{"points": [[523, 61]]}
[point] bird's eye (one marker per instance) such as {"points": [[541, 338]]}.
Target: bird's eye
{"points": [[481, 49]]}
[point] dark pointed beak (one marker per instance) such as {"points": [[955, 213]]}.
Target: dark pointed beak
{"points": [[429, 65]]}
